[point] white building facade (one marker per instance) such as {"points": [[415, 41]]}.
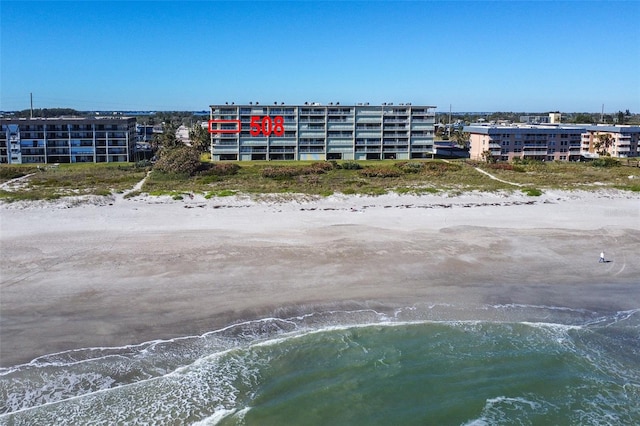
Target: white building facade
{"points": [[67, 140], [322, 132]]}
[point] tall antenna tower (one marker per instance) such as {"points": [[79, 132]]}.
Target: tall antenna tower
{"points": [[31, 97]]}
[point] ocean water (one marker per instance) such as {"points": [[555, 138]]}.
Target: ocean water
{"points": [[419, 365]]}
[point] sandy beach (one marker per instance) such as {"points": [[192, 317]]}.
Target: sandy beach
{"points": [[116, 271]]}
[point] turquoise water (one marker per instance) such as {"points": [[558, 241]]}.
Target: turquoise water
{"points": [[509, 365]]}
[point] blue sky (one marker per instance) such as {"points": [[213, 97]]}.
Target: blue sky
{"points": [[476, 56]]}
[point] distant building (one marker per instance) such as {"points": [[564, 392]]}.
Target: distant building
{"points": [[67, 140], [326, 132], [182, 134], [534, 119], [551, 118], [555, 118], [549, 142], [144, 133]]}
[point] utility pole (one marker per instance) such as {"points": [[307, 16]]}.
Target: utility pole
{"points": [[31, 97], [602, 114]]}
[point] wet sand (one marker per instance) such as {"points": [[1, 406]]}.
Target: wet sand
{"points": [[127, 271]]}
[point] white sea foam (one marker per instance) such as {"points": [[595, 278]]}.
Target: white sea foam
{"points": [[215, 418], [222, 414], [47, 380], [504, 410]]}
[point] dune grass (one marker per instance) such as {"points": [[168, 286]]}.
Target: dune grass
{"points": [[314, 178], [48, 183]]}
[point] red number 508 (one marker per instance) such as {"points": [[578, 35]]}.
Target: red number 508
{"points": [[266, 126]]}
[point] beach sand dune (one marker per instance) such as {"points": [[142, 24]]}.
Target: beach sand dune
{"points": [[151, 268]]}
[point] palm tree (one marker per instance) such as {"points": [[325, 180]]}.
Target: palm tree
{"points": [[603, 142], [461, 139]]}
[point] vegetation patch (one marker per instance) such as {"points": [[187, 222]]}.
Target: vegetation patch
{"points": [[380, 172], [47, 183], [440, 168], [224, 169], [416, 191], [306, 177], [221, 193], [8, 172], [283, 172], [143, 164], [350, 165], [532, 192], [633, 188], [410, 167], [605, 162], [182, 160], [500, 166]]}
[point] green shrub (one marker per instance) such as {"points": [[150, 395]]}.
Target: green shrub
{"points": [[532, 192], [143, 164], [407, 167], [182, 160], [351, 165], [605, 162]]}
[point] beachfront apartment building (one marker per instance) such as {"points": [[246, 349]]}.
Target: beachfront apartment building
{"points": [[323, 132], [67, 140], [548, 142], [625, 140]]}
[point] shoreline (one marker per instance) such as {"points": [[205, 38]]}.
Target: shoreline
{"points": [[152, 268]]}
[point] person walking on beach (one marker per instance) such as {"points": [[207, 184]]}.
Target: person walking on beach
{"points": [[601, 257]]}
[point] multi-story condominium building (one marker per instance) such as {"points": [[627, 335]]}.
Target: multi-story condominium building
{"points": [[321, 132], [625, 140], [544, 142], [67, 140], [550, 142]]}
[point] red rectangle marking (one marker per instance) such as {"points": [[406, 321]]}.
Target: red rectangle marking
{"points": [[214, 122]]}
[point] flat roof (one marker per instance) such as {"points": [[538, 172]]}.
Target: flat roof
{"points": [[614, 129], [27, 119], [523, 128], [316, 104]]}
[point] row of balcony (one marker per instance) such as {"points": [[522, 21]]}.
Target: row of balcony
{"points": [[66, 144], [246, 121]]}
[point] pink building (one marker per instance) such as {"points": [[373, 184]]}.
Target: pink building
{"points": [[624, 140], [536, 142], [549, 142]]}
